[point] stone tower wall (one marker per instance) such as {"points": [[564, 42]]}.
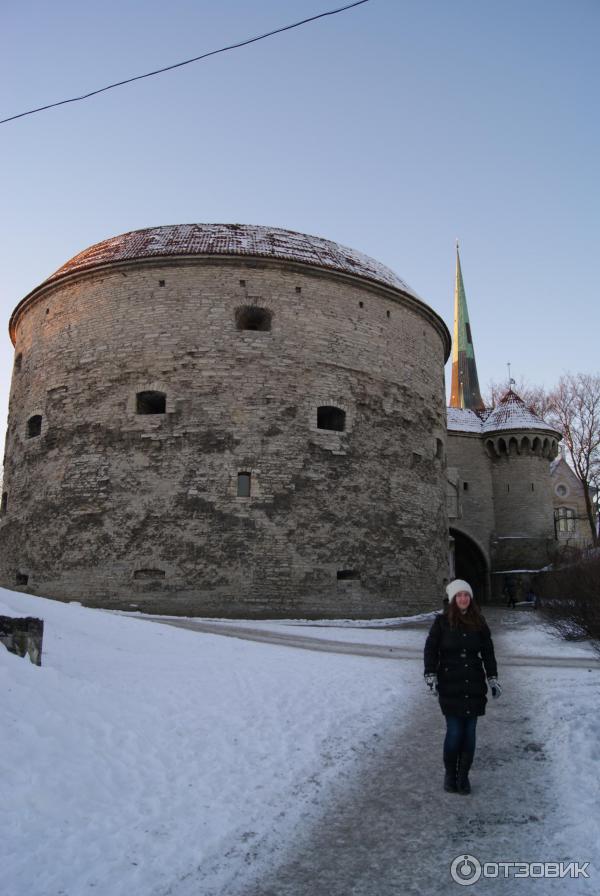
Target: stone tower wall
{"points": [[119, 509], [467, 455], [522, 500]]}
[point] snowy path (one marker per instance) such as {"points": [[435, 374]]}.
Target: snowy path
{"points": [[160, 761], [353, 648], [385, 827], [390, 829]]}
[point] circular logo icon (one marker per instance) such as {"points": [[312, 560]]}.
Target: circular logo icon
{"points": [[465, 870]]}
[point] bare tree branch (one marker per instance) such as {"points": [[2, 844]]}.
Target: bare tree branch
{"points": [[537, 398], [576, 413]]}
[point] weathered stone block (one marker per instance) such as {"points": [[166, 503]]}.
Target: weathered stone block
{"points": [[23, 636]]}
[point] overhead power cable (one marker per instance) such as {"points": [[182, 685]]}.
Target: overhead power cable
{"points": [[168, 68]]}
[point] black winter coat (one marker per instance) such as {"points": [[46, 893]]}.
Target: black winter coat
{"points": [[458, 657]]}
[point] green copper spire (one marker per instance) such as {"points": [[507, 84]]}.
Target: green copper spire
{"points": [[465, 384]]}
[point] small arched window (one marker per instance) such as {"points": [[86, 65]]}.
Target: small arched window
{"points": [[330, 417], [150, 403], [251, 317], [34, 426]]}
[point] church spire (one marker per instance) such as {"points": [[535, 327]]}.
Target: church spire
{"points": [[465, 385]]}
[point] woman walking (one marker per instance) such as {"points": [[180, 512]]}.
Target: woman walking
{"points": [[459, 654]]}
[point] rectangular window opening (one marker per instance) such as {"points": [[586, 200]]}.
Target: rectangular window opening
{"points": [[149, 573], [344, 575], [244, 485]]}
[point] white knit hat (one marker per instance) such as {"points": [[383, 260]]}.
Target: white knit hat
{"points": [[457, 585]]}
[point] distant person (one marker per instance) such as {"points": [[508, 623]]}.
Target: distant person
{"points": [[509, 592], [531, 598], [459, 654]]}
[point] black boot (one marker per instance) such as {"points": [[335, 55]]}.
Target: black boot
{"points": [[450, 763], [462, 776]]}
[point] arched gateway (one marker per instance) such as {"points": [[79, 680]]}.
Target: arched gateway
{"points": [[470, 563]]}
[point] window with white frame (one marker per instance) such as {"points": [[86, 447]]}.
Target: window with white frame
{"points": [[565, 520]]}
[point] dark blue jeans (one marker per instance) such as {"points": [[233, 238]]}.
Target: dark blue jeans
{"points": [[460, 734]]}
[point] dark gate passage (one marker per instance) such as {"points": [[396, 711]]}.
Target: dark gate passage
{"points": [[470, 564]]}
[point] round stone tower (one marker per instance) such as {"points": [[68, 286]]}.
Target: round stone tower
{"points": [[520, 446], [227, 420]]}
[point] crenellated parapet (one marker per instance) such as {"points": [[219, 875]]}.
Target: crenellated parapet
{"points": [[520, 445]]}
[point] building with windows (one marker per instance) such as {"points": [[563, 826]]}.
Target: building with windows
{"points": [[237, 420], [570, 516], [227, 420], [512, 499]]}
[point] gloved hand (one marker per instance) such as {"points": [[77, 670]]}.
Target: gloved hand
{"points": [[432, 683], [495, 687]]}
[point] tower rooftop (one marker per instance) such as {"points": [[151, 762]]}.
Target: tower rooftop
{"points": [[511, 412], [250, 240]]}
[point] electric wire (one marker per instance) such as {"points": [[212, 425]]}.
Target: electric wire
{"points": [[167, 68]]}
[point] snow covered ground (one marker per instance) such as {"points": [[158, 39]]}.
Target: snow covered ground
{"points": [[142, 758]]}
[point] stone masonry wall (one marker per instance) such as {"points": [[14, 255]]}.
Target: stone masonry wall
{"points": [[467, 455], [524, 535], [124, 510]]}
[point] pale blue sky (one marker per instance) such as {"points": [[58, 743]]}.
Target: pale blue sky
{"points": [[393, 128]]}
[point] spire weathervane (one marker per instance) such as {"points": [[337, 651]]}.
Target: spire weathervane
{"points": [[511, 382]]}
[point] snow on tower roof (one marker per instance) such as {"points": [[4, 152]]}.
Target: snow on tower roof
{"points": [[463, 420], [512, 413], [232, 239]]}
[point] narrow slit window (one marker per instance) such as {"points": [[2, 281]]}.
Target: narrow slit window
{"points": [[244, 483], [18, 361], [149, 574], [332, 418], [465, 486], [150, 403], [34, 426], [344, 575], [4, 505]]}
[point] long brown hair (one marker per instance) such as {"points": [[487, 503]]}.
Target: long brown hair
{"points": [[472, 618]]}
